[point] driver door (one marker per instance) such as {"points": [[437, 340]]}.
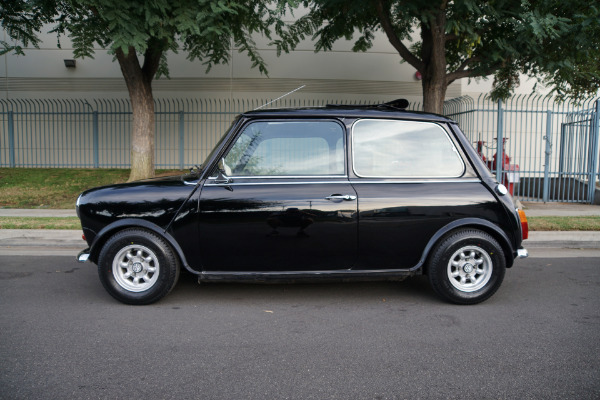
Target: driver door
{"points": [[280, 200]]}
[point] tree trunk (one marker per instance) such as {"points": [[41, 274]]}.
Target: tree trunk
{"points": [[139, 85], [433, 54], [434, 93], [142, 137]]}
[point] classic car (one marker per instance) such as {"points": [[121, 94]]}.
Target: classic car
{"points": [[338, 192]]}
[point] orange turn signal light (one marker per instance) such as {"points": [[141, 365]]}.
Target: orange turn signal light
{"points": [[524, 224]]}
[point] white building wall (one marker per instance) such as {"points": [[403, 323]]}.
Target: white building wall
{"points": [[339, 74]]}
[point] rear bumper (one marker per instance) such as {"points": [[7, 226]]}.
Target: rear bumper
{"points": [[522, 253], [83, 255]]}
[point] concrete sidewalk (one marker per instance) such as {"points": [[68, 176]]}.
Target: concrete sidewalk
{"points": [[535, 209], [37, 212]]}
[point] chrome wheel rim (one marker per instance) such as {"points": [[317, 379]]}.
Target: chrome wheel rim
{"points": [[135, 268], [470, 268]]}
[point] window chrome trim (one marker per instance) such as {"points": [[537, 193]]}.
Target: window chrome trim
{"points": [[439, 180], [464, 166], [357, 180], [276, 183], [285, 177]]}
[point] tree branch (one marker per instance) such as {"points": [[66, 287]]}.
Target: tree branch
{"points": [[152, 58], [450, 37], [462, 72], [388, 28]]}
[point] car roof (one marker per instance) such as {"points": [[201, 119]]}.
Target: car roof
{"points": [[347, 111]]}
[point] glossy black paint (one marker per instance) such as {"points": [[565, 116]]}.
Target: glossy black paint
{"points": [[285, 228], [281, 225], [155, 204], [397, 220]]}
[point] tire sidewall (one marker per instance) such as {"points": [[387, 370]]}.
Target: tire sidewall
{"points": [[438, 268], [167, 273]]}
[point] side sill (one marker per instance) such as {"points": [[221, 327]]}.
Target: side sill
{"points": [[310, 276]]}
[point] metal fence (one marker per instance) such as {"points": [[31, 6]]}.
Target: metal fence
{"points": [[96, 133], [552, 147]]}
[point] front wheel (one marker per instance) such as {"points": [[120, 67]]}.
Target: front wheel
{"points": [[138, 267], [466, 267]]}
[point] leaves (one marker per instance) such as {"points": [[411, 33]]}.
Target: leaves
{"points": [[555, 40], [205, 29]]}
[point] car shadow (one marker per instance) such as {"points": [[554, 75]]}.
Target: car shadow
{"points": [[414, 289]]}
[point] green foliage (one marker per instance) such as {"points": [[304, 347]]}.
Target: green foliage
{"points": [[204, 29], [555, 40], [22, 21]]}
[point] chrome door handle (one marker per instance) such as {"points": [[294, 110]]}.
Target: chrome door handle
{"points": [[347, 197]]}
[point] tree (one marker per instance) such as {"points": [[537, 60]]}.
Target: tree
{"points": [[558, 41], [139, 34]]}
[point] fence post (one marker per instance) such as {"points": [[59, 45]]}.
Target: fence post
{"points": [[548, 137], [96, 140], [594, 158], [499, 142], [11, 139], [181, 138]]}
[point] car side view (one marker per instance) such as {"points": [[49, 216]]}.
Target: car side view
{"points": [[338, 192]]}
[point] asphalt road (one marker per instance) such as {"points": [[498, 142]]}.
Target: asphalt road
{"points": [[62, 336]]}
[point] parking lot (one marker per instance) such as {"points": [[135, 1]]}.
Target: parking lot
{"points": [[63, 336]]}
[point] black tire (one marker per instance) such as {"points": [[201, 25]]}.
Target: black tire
{"points": [[138, 267], [466, 267]]}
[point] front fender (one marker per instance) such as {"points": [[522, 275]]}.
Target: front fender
{"points": [[111, 229]]}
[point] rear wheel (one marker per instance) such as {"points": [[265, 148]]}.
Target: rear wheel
{"points": [[466, 267], [138, 267]]}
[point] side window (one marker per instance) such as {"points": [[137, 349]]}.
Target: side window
{"points": [[404, 149], [288, 148]]}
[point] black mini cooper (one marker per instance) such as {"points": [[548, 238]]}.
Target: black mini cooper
{"points": [[339, 192]]}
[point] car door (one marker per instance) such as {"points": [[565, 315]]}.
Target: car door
{"points": [[280, 200]]}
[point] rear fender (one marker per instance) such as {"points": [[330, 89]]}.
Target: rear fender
{"points": [[476, 223]]}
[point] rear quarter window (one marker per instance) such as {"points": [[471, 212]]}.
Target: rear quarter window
{"points": [[404, 149]]}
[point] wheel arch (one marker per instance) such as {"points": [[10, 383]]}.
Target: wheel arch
{"points": [[475, 223], [127, 223]]}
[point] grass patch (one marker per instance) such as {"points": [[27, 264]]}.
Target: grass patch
{"points": [[591, 223], [39, 223], [54, 187]]}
